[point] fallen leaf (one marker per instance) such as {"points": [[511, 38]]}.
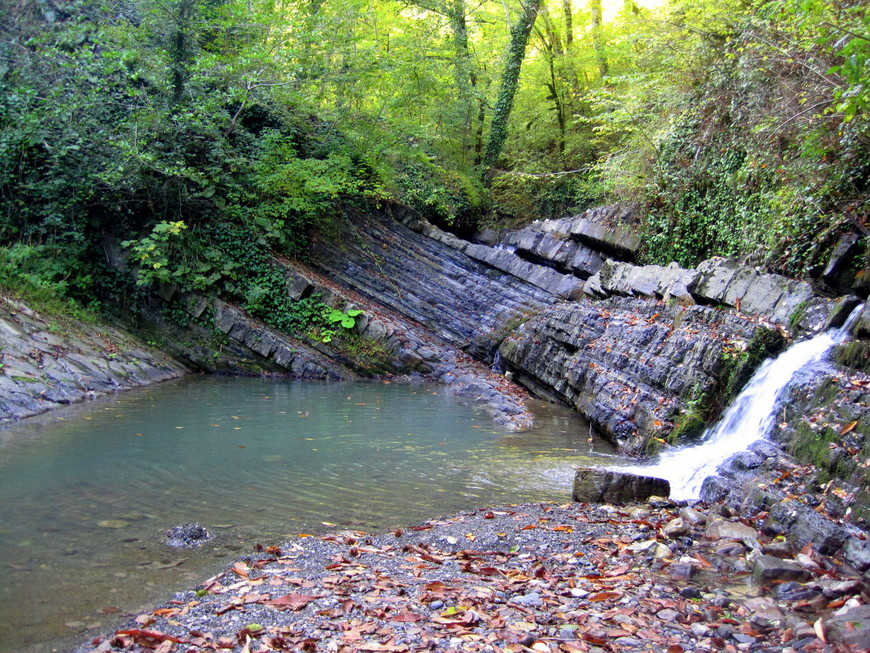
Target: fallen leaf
{"points": [[605, 596], [849, 427], [819, 627], [291, 601]]}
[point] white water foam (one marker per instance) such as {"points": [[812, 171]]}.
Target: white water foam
{"points": [[748, 418]]}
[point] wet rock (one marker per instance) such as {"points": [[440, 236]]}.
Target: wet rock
{"points": [[721, 529], [767, 569], [598, 485], [652, 548], [807, 526], [693, 517], [42, 371], [681, 571], [187, 535], [779, 549], [624, 363], [834, 589], [857, 553], [851, 625], [846, 247], [791, 591], [676, 528]]}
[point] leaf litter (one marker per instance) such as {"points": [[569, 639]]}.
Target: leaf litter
{"points": [[545, 577]]}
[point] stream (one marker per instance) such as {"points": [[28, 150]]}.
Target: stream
{"points": [[88, 493]]}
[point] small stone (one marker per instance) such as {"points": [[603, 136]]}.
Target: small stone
{"points": [[721, 529], [743, 639], [532, 600], [730, 548], [681, 571], [724, 630], [629, 642], [763, 608], [699, 630], [676, 528], [808, 563], [720, 601], [792, 591], [642, 547], [667, 614], [692, 516], [834, 589], [779, 549], [436, 605], [691, 593], [113, 523]]}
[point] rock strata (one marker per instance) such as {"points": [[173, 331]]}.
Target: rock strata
{"points": [[627, 364], [46, 365]]}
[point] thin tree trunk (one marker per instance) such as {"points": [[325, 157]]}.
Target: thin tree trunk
{"points": [[510, 78], [598, 38]]}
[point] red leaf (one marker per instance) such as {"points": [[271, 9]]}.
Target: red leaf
{"points": [[291, 601], [605, 596], [151, 635]]}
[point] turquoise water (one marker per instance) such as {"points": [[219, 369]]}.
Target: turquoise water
{"points": [[88, 494]]}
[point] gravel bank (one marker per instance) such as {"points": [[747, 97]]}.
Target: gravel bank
{"points": [[542, 577]]}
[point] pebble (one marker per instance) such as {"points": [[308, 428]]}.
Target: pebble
{"points": [[630, 642], [699, 629], [532, 600], [691, 593]]}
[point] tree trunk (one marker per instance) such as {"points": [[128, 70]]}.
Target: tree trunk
{"points": [[180, 48], [510, 78], [598, 38]]}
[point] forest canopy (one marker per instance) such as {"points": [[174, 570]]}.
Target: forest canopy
{"points": [[196, 138]]}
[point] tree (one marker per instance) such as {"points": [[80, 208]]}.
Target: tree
{"points": [[516, 52]]}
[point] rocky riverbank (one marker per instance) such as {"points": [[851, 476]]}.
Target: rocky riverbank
{"points": [[46, 364], [544, 577]]}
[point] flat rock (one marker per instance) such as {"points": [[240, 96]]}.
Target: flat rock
{"points": [[768, 569], [598, 485]]}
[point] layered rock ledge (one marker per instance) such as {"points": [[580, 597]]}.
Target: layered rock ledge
{"points": [[46, 365]]}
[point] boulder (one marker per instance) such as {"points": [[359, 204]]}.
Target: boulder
{"points": [[768, 569], [599, 485], [851, 625], [806, 526]]}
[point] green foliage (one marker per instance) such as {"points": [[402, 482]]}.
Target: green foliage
{"points": [[333, 317], [151, 253], [39, 276]]}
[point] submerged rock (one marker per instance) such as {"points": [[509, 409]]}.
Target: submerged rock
{"points": [[187, 535], [599, 485]]}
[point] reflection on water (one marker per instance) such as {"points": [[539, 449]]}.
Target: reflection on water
{"points": [[88, 495]]}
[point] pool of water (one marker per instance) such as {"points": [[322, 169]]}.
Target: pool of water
{"points": [[88, 494]]}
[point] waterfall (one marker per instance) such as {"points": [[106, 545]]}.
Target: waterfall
{"points": [[748, 418]]}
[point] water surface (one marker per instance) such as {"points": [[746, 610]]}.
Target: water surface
{"points": [[88, 494]]}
